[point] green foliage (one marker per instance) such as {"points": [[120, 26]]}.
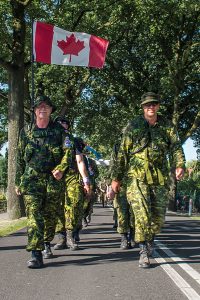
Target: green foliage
{"points": [[3, 107], [3, 203], [190, 185], [154, 46], [3, 172]]}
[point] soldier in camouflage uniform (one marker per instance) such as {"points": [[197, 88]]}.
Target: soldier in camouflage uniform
{"points": [[77, 183], [121, 206], [93, 173], [39, 151], [60, 226], [125, 224], [143, 158]]}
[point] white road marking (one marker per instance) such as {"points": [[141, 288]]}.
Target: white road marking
{"points": [[186, 267], [190, 293]]}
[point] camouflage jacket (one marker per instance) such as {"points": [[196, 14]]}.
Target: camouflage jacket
{"points": [[71, 148], [39, 150], [144, 151]]}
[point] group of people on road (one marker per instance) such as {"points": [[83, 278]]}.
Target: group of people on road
{"points": [[56, 180]]}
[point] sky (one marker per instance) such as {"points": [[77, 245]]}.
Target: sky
{"points": [[189, 150]]}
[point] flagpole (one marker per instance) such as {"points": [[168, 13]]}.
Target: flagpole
{"points": [[32, 74]]}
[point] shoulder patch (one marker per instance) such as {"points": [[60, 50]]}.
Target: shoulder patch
{"points": [[67, 142]]}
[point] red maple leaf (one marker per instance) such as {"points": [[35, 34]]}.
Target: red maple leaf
{"points": [[70, 46]]}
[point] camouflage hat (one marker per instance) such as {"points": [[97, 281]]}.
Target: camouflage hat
{"points": [[80, 142], [61, 119], [150, 97], [45, 99]]}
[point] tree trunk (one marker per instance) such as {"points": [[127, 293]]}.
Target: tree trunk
{"points": [[15, 117], [15, 104]]}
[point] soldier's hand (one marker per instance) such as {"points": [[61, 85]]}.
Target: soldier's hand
{"points": [[87, 188], [116, 186], [18, 192], [57, 174], [179, 173], [110, 194]]}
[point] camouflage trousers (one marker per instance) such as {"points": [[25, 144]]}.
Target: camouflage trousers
{"points": [[148, 206], [60, 226], [70, 211], [41, 197], [74, 201], [121, 207], [88, 204]]}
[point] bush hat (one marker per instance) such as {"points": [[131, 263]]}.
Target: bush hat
{"points": [[150, 97], [62, 119], [45, 99]]}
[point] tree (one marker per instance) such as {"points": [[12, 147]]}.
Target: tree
{"points": [[12, 60], [3, 171], [153, 46]]}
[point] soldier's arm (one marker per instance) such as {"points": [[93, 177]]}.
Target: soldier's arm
{"points": [[83, 171], [96, 170], [67, 156], [177, 154], [120, 166], [121, 162], [65, 163], [81, 166]]}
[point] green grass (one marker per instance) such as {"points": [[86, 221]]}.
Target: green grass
{"points": [[195, 218], [12, 227]]}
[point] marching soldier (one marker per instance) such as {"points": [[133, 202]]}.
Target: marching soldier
{"points": [[143, 159], [39, 151]]}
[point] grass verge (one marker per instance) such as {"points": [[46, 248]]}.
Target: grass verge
{"points": [[12, 226], [195, 218]]}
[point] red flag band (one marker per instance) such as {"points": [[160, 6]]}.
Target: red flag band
{"points": [[53, 45]]}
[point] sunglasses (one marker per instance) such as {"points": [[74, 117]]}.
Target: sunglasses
{"points": [[151, 104]]}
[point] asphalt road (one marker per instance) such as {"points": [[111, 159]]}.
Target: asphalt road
{"points": [[100, 270]]}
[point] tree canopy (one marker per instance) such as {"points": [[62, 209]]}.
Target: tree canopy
{"points": [[154, 46]]}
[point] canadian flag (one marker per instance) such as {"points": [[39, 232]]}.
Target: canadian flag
{"points": [[53, 45]]}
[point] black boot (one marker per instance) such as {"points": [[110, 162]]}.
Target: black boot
{"points": [[144, 257], [115, 224], [70, 241], [76, 235], [47, 251], [62, 243], [124, 241], [36, 261]]}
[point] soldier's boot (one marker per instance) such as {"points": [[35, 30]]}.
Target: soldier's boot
{"points": [[36, 261], [115, 224], [71, 242], [144, 257], [62, 242], [131, 242], [150, 247], [124, 241], [47, 251], [76, 235]]}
